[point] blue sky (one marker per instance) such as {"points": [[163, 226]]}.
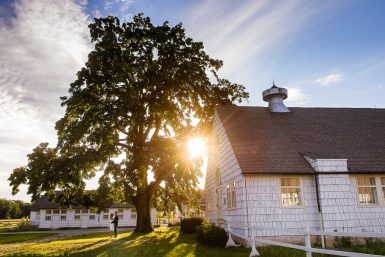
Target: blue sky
{"points": [[327, 53]]}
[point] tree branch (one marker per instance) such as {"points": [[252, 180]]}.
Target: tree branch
{"points": [[123, 145], [124, 132]]}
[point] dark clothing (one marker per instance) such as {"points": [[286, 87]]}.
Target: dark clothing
{"points": [[116, 221]]}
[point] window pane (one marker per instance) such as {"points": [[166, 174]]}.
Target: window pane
{"points": [[367, 195], [228, 200], [291, 196], [233, 199], [289, 182], [366, 181]]}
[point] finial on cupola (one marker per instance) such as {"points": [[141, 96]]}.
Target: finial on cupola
{"points": [[275, 96]]}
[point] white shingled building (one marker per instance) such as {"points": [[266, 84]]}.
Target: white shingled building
{"points": [[280, 167], [45, 214]]}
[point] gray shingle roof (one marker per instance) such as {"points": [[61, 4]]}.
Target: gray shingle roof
{"points": [[266, 142], [44, 203]]}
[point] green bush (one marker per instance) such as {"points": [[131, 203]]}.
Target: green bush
{"points": [[173, 224], [342, 242], [187, 226], [211, 235]]}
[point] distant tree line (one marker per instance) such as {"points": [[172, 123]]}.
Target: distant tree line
{"points": [[14, 209]]}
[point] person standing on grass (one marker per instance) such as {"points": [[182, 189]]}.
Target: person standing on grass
{"points": [[111, 224], [116, 221]]}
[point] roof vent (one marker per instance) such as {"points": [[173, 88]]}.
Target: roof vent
{"points": [[275, 96]]}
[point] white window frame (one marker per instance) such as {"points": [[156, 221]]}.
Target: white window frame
{"points": [[105, 216], [92, 216], [231, 195], [77, 217], [380, 190], [48, 218], [301, 205], [63, 217]]}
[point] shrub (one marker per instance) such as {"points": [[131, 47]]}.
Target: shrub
{"points": [[173, 224], [25, 224], [342, 242], [188, 226], [211, 235]]}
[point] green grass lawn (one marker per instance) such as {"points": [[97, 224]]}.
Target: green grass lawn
{"points": [[8, 239], [5, 225], [162, 242]]}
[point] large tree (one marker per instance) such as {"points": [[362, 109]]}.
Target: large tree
{"points": [[136, 99]]}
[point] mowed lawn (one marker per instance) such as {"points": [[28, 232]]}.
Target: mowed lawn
{"points": [[5, 225], [162, 242]]}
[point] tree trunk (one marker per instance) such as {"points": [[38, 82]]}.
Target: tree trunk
{"points": [[142, 202]]}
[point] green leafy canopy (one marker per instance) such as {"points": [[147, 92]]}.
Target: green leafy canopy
{"points": [[135, 98]]}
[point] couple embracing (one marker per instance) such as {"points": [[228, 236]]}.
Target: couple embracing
{"points": [[114, 219]]}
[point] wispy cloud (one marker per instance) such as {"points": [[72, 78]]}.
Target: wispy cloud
{"points": [[237, 33], [334, 77], [119, 8], [297, 96], [42, 48]]}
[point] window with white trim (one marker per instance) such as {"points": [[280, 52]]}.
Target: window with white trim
{"points": [[105, 217], [63, 217], [63, 211], [383, 186], [77, 211], [367, 191], [290, 192], [47, 217], [92, 217], [48, 211], [77, 217], [55, 211], [231, 195], [120, 210]]}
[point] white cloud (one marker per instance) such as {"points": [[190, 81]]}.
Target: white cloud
{"points": [[332, 78], [238, 32], [42, 48], [297, 96]]}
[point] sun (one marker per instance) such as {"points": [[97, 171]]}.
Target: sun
{"points": [[197, 147]]}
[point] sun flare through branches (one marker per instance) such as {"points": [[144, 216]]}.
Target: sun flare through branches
{"points": [[197, 147]]}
